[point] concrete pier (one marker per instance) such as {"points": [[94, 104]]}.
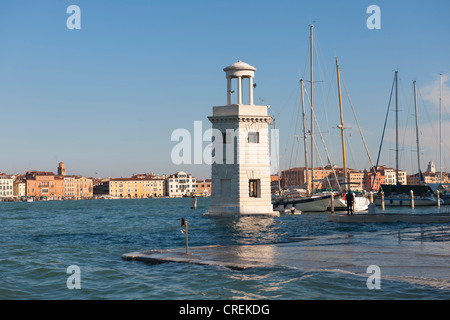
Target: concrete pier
{"points": [[390, 217], [407, 257], [233, 257]]}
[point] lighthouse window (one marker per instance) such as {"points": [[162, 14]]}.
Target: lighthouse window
{"points": [[253, 137], [254, 188]]}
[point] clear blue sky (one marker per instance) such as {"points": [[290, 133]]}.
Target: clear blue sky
{"points": [[105, 99]]}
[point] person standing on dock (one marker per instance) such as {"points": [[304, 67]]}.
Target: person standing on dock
{"points": [[349, 199]]}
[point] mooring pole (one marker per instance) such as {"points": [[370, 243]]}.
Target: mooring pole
{"points": [[438, 199], [184, 223], [412, 199], [187, 245], [332, 203], [382, 200], [194, 202]]}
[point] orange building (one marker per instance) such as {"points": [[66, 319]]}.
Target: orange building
{"points": [[371, 183], [321, 176], [203, 187], [47, 185], [44, 185]]}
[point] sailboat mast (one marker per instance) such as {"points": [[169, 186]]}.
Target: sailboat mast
{"points": [[396, 127], [278, 160], [312, 105], [440, 128], [305, 142], [341, 126], [417, 133]]}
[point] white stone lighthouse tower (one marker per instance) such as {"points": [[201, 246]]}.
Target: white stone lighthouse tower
{"points": [[240, 169]]}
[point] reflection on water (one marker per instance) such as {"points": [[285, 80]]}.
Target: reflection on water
{"points": [[253, 228]]}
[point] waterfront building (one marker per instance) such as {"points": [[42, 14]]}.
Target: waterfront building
{"points": [[19, 189], [69, 187], [323, 178], [101, 186], [154, 187], [371, 183], [240, 170], [294, 177], [44, 185], [133, 187], [428, 178], [155, 184], [124, 188], [148, 176], [274, 183], [6, 186], [180, 184], [391, 175], [203, 187], [356, 180], [48, 186], [83, 187]]}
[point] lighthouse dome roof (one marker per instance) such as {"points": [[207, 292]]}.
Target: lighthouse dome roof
{"points": [[240, 66]]}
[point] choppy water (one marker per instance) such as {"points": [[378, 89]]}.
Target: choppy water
{"points": [[39, 240]]}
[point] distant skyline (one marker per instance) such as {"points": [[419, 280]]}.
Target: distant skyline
{"points": [[105, 99]]}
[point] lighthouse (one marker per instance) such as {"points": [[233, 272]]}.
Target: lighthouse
{"points": [[240, 172]]}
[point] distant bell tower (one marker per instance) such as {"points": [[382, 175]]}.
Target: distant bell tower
{"points": [[61, 169], [240, 169], [431, 167]]}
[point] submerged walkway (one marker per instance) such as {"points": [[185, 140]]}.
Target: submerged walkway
{"points": [[235, 257], [418, 255]]}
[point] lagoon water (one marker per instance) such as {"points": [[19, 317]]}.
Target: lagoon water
{"points": [[322, 260]]}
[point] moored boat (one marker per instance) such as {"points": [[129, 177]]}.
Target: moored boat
{"points": [[314, 203]]}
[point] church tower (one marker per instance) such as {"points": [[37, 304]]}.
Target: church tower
{"points": [[240, 169], [61, 169]]}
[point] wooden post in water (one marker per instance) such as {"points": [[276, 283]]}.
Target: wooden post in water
{"points": [[194, 203], [184, 223], [438, 199], [332, 203], [371, 197], [412, 199], [187, 245], [382, 200]]}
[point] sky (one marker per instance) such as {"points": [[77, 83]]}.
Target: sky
{"points": [[106, 98]]}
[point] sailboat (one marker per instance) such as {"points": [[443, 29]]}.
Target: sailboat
{"points": [[307, 200], [399, 195], [361, 203]]}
